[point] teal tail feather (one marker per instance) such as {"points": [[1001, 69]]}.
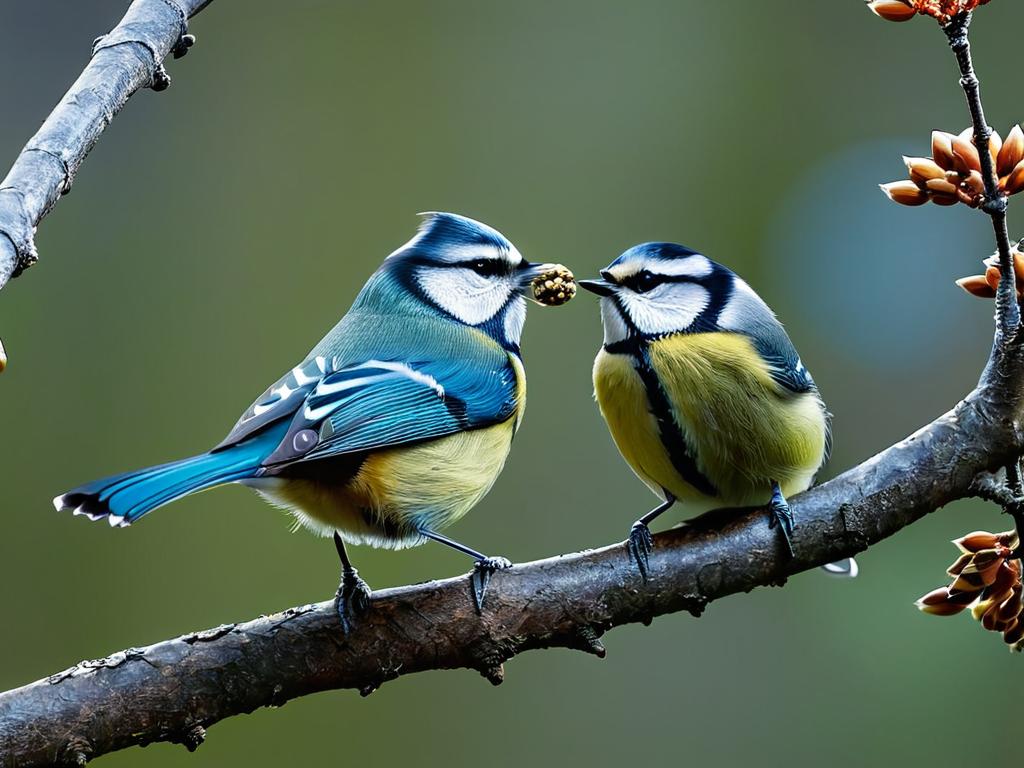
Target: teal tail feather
{"points": [[123, 499]]}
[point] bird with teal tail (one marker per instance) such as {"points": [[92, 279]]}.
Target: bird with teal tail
{"points": [[396, 423], [703, 392]]}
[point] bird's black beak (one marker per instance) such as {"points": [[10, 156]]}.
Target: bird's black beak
{"points": [[600, 287]]}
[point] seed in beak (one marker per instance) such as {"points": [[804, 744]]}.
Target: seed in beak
{"points": [[554, 286]]}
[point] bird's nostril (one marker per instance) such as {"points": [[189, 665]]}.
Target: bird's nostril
{"points": [[607, 275]]}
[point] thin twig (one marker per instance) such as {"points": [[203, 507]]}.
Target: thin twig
{"points": [[128, 58], [995, 204]]}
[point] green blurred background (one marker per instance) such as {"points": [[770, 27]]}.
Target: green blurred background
{"points": [[218, 229]]}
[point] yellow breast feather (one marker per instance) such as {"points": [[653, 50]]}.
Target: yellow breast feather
{"points": [[743, 430], [398, 489]]}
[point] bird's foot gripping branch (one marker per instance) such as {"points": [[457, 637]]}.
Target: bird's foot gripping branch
{"points": [[174, 690]]}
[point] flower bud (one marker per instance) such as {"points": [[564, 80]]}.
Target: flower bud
{"points": [[892, 10], [990, 621], [1011, 153], [976, 285], [961, 562], [1014, 633], [941, 199], [941, 187], [976, 541], [1010, 608], [938, 603], [995, 143], [942, 150], [974, 183], [1015, 181], [922, 169], [966, 155], [904, 193]]}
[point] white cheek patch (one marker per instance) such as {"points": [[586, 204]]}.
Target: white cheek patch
{"points": [[615, 328], [515, 316], [470, 297], [668, 308]]}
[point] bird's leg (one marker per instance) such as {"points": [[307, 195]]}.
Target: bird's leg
{"points": [[352, 599], [482, 572], [781, 515], [640, 542]]}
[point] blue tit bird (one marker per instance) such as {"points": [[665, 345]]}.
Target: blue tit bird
{"points": [[702, 390], [393, 426]]}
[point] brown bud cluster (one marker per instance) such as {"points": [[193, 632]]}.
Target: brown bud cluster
{"points": [[984, 286], [953, 173], [904, 10], [987, 579], [554, 287]]}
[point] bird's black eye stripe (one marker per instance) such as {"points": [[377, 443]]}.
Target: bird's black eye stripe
{"points": [[487, 267], [642, 281]]}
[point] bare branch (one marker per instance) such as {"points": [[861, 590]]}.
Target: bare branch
{"points": [[1007, 309], [127, 59], [173, 690]]}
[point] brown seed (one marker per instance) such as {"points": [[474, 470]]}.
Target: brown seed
{"points": [[904, 193], [3, 357], [1011, 153], [892, 10], [976, 285], [966, 155], [1015, 181], [942, 150]]}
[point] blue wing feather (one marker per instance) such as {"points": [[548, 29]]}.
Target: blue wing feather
{"points": [[382, 404]]}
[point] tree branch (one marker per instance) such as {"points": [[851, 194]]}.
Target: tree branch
{"points": [[128, 58], [173, 690]]}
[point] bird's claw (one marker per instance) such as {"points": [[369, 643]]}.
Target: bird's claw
{"points": [[640, 545], [481, 578], [352, 599], [781, 516]]}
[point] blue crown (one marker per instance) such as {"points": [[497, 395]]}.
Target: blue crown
{"points": [[663, 251], [446, 229]]}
